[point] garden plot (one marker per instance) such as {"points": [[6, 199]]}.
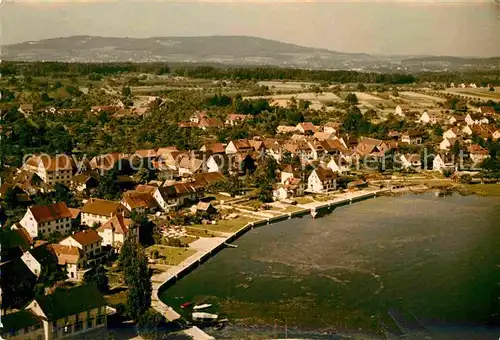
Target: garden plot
{"points": [[421, 100]]}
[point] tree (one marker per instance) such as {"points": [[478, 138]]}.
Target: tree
{"points": [[134, 263], [395, 93], [354, 122], [126, 92], [361, 87], [142, 176], [492, 89], [108, 186], [466, 179], [149, 325], [98, 278], [234, 185], [351, 99], [266, 192]]}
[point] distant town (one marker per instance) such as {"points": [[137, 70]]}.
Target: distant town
{"points": [[118, 178]]}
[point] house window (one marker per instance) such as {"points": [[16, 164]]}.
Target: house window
{"points": [[100, 320], [78, 326], [90, 323]]}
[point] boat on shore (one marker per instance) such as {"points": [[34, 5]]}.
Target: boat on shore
{"points": [[203, 306], [201, 316], [186, 304]]}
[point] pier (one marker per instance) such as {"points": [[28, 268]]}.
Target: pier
{"points": [[208, 247]]}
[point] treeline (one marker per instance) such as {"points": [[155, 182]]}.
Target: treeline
{"points": [[54, 69]]}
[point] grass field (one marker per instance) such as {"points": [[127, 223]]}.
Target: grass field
{"points": [[171, 255], [116, 297], [200, 230], [228, 226], [303, 200], [484, 189]]}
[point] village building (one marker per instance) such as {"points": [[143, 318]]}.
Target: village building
{"points": [[26, 109], [52, 170], [411, 161], [447, 143], [71, 258], [84, 182], [36, 258], [486, 110], [371, 146], [104, 163], [64, 313], [476, 119], [306, 128], [428, 118], [284, 129], [333, 128], [89, 242], [174, 196], [98, 211], [412, 138], [322, 180], [235, 119], [292, 187], [43, 220], [213, 148], [477, 153], [117, 230], [402, 110], [239, 146], [454, 132], [338, 165], [443, 162], [457, 120], [139, 202]]}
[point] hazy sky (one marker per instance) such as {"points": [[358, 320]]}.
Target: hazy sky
{"points": [[462, 28]]}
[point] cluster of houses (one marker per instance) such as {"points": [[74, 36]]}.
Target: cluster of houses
{"points": [[63, 313]]}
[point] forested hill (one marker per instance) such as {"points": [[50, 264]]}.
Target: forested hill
{"points": [[242, 50]]}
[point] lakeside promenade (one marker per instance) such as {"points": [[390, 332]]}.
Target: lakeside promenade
{"points": [[207, 247]]}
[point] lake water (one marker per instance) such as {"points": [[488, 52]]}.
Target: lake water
{"points": [[415, 255]]}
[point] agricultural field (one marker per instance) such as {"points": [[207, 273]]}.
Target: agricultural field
{"points": [[318, 100], [480, 93], [421, 100], [286, 86]]}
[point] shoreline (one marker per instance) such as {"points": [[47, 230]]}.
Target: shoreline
{"points": [[207, 249]]}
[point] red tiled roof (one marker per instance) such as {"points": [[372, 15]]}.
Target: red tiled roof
{"points": [[86, 237], [101, 207], [47, 213], [119, 224], [65, 254]]}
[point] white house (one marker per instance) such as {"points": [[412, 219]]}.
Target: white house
{"points": [[88, 241], [293, 187], [43, 220], [476, 119], [467, 130], [322, 180], [401, 110], [451, 133], [52, 170], [98, 211], [117, 230], [338, 166], [237, 146], [72, 258], [217, 163], [411, 161], [174, 196], [443, 162], [428, 118], [477, 153], [447, 143]]}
